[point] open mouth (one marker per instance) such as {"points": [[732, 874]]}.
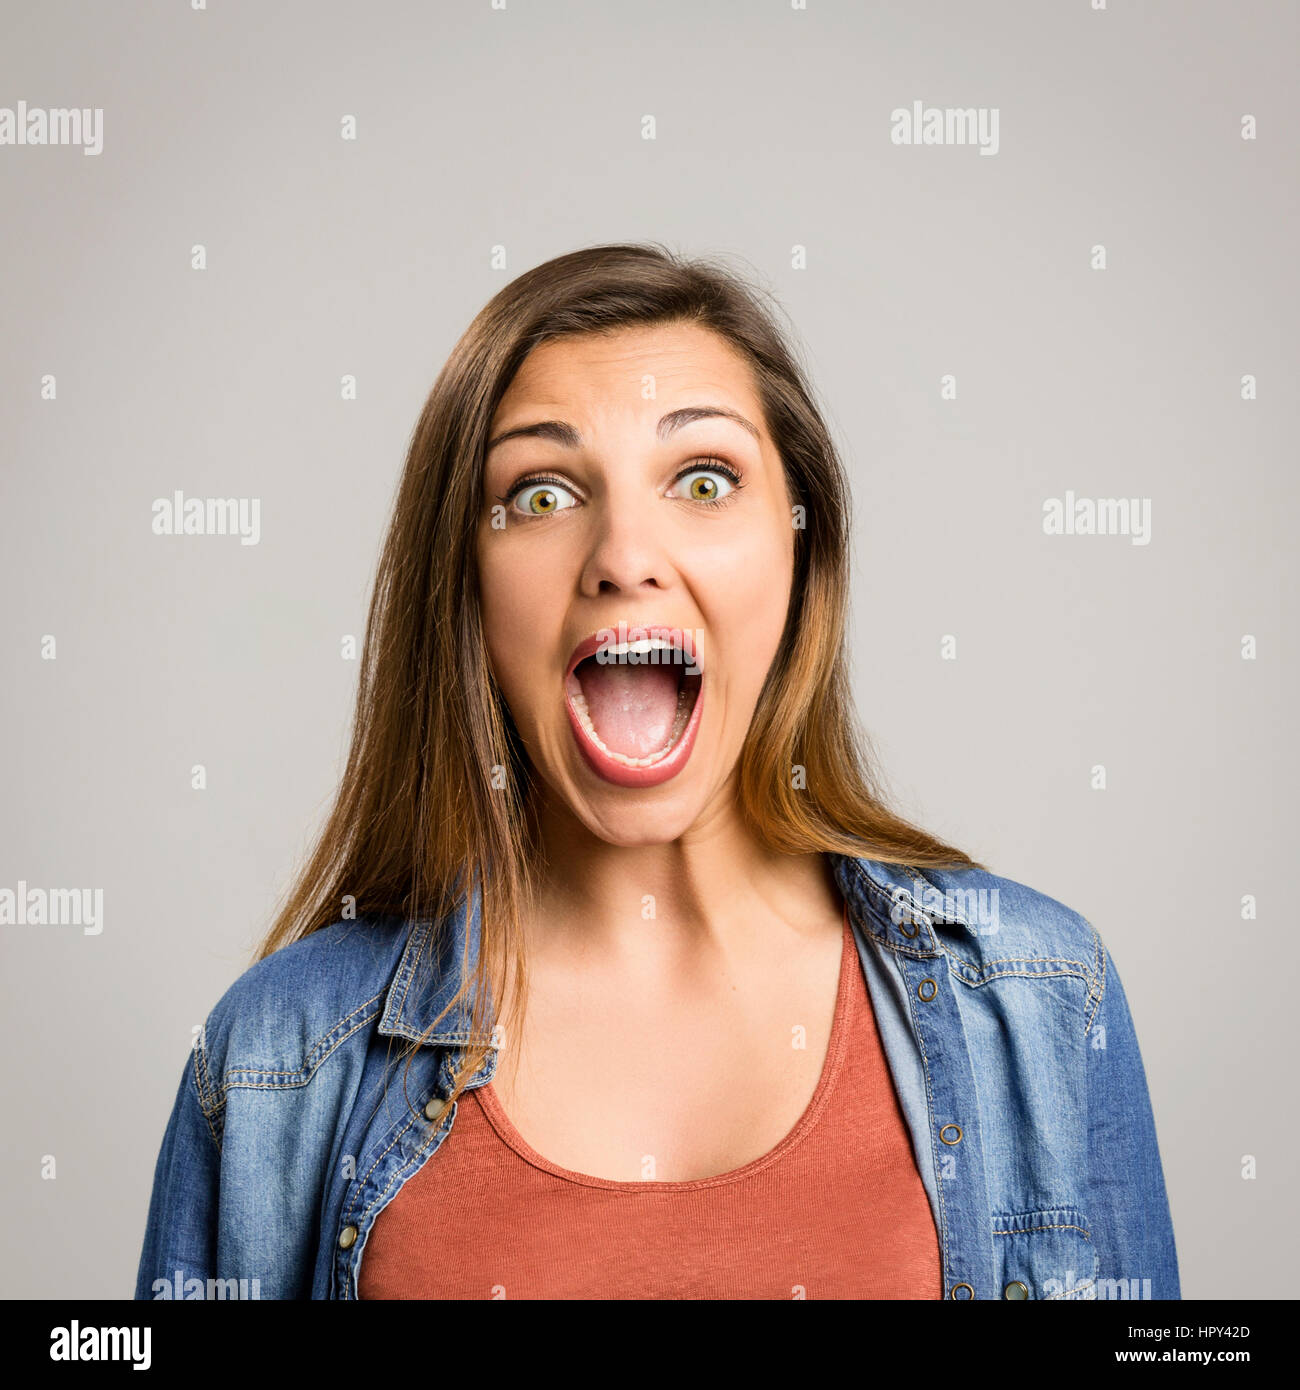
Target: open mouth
{"points": [[634, 704]]}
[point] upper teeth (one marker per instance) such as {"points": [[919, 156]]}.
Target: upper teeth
{"points": [[644, 644], [642, 647]]}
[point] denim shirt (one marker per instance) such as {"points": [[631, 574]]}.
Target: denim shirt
{"points": [[1000, 1011]]}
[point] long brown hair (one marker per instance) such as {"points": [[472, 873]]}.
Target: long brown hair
{"points": [[435, 800]]}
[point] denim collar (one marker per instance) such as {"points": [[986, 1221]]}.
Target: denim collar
{"points": [[421, 991]]}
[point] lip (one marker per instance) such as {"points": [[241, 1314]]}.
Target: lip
{"points": [[606, 768]]}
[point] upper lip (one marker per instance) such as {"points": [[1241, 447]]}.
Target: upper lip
{"points": [[680, 637]]}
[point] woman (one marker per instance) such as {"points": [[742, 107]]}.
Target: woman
{"points": [[611, 975]]}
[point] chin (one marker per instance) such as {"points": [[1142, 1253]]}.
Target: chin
{"points": [[632, 821]]}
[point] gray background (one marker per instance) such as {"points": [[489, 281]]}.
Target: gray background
{"points": [[521, 128]]}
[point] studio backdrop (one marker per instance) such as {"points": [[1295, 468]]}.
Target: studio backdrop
{"points": [[1039, 257]]}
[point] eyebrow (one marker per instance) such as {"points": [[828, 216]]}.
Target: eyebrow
{"points": [[563, 433]]}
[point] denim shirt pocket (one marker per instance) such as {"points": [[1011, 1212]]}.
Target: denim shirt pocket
{"points": [[1045, 1254]]}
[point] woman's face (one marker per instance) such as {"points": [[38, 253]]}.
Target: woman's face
{"points": [[636, 557]]}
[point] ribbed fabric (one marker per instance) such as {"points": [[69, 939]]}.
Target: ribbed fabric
{"points": [[836, 1210]]}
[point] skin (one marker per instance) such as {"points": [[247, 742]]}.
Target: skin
{"points": [[683, 1020]]}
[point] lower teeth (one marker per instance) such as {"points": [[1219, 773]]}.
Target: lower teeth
{"points": [[680, 719]]}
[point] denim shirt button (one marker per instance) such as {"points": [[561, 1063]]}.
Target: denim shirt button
{"points": [[346, 1237], [961, 1297], [1015, 1289], [434, 1108]]}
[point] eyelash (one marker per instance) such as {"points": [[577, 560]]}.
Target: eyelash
{"points": [[704, 465]]}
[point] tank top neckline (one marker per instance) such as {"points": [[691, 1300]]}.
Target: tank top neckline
{"points": [[496, 1116]]}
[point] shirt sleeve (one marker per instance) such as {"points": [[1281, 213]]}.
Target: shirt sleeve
{"points": [[1125, 1197], [180, 1238]]}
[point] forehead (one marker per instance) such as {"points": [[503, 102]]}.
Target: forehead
{"points": [[637, 369]]}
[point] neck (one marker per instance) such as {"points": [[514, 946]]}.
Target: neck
{"points": [[715, 884]]}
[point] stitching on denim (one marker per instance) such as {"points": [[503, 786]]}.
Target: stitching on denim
{"points": [[934, 1153], [397, 1172], [320, 1043], [956, 917], [196, 1061], [379, 1158], [873, 888], [312, 1050], [929, 1093], [347, 1215], [1035, 960], [1062, 1227], [297, 1078], [922, 921], [910, 951], [1101, 991], [425, 932], [1067, 1293], [887, 904], [1022, 974], [1081, 969], [1062, 1210], [360, 1187], [1082, 973], [203, 1054], [208, 1113], [1055, 1226], [209, 1102]]}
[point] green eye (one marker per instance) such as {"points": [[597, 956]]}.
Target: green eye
{"points": [[541, 499], [705, 485]]}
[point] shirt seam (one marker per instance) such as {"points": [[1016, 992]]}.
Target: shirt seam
{"points": [[312, 1062]]}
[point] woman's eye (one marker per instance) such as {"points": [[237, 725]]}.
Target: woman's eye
{"points": [[541, 499], [703, 485]]}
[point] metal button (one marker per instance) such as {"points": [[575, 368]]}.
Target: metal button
{"points": [[915, 929], [1015, 1289], [926, 991], [961, 1298], [434, 1108], [347, 1237], [943, 1134]]}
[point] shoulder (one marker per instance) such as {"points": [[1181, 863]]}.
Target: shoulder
{"points": [[1022, 916], [989, 925], [286, 1014]]}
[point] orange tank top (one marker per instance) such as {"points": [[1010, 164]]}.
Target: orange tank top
{"points": [[836, 1210]]}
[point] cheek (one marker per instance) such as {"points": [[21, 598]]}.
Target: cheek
{"points": [[745, 590], [516, 609]]}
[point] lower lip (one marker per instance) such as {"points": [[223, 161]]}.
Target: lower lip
{"points": [[620, 774]]}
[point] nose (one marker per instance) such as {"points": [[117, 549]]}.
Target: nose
{"points": [[626, 555]]}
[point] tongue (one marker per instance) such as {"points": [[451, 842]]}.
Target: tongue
{"points": [[631, 707]]}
